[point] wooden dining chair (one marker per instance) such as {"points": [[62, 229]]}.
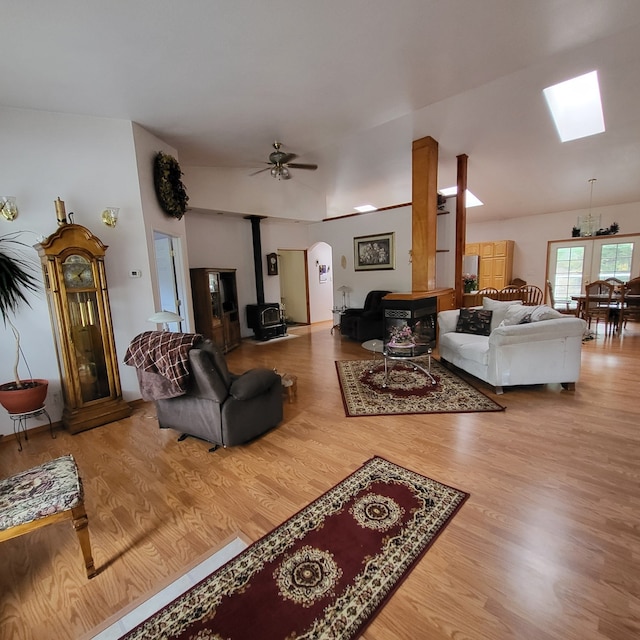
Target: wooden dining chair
{"points": [[629, 302], [41, 496], [562, 307], [599, 305], [531, 295]]}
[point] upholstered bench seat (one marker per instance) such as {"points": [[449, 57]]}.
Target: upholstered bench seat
{"points": [[42, 495]]}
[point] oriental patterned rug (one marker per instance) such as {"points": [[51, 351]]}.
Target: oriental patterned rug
{"points": [[325, 572], [408, 390]]}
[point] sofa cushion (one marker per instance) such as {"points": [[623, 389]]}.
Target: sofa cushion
{"points": [[499, 308], [474, 321], [467, 346]]}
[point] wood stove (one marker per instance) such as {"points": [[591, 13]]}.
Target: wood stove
{"points": [[266, 320]]}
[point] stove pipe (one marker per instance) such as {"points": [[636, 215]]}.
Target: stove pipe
{"points": [[257, 257]]}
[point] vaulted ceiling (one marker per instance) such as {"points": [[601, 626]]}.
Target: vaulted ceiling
{"points": [[348, 85]]}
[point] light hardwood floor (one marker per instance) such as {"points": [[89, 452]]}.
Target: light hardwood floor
{"points": [[547, 546]]}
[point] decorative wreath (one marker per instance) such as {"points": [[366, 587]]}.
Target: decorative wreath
{"points": [[171, 193]]}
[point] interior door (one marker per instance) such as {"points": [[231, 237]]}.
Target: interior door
{"points": [[169, 285]]}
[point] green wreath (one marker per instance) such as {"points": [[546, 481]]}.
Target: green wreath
{"points": [[171, 193]]}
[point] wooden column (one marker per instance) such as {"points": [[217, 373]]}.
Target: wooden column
{"points": [[424, 213], [461, 225]]}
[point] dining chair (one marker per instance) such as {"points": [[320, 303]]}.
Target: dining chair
{"points": [[598, 305], [562, 307], [629, 302], [531, 295]]}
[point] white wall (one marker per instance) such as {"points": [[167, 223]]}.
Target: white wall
{"points": [[226, 241], [339, 234], [320, 293], [532, 233], [90, 164]]}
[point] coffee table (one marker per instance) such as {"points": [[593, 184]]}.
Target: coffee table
{"points": [[392, 354]]}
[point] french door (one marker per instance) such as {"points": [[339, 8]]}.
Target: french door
{"points": [[574, 263]]}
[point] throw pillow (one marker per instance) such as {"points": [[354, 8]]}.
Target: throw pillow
{"points": [[517, 314], [474, 321], [544, 312], [499, 308]]}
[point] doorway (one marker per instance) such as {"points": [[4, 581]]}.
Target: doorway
{"points": [[294, 289], [170, 280]]}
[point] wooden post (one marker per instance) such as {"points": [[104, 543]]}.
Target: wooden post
{"points": [[424, 213], [461, 225]]}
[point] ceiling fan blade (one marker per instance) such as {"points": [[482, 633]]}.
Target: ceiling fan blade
{"points": [[255, 173], [311, 167]]}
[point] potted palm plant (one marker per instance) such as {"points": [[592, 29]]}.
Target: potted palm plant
{"points": [[16, 280]]}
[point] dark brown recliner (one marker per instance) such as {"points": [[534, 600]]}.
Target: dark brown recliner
{"points": [[364, 323], [219, 406]]}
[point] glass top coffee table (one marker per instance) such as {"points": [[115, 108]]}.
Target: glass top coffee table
{"points": [[394, 353]]}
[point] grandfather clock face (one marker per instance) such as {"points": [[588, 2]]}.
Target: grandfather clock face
{"points": [[77, 272]]}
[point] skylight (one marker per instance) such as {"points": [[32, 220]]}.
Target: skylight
{"points": [[471, 200], [364, 208], [576, 107]]}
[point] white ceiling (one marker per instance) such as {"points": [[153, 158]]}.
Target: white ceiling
{"points": [[349, 84]]}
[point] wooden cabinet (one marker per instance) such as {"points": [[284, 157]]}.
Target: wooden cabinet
{"points": [[496, 262], [215, 305]]}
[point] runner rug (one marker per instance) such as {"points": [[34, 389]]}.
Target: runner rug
{"points": [[408, 390], [325, 572]]}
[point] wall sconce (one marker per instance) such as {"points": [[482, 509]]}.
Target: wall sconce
{"points": [[8, 208], [164, 318], [110, 216]]}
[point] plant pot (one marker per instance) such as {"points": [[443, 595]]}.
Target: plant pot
{"points": [[23, 400]]}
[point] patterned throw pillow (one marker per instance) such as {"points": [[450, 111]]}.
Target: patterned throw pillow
{"points": [[475, 321]]}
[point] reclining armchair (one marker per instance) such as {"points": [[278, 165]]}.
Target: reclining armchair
{"points": [[364, 323], [215, 405]]}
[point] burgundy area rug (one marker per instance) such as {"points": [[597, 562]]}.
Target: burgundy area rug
{"points": [[408, 390], [325, 572]]}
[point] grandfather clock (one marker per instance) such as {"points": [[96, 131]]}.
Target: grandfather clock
{"points": [[76, 285]]}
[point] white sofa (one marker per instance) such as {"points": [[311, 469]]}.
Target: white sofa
{"points": [[518, 354]]}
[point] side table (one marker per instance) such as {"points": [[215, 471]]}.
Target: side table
{"points": [[336, 311], [20, 423]]}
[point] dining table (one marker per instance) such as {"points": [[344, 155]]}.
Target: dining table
{"points": [[616, 300]]}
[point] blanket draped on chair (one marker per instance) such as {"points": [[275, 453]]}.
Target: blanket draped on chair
{"points": [[163, 355]]}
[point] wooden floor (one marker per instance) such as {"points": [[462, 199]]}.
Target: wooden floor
{"points": [[547, 546]]}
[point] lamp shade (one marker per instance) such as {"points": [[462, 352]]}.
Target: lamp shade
{"points": [[164, 317]]}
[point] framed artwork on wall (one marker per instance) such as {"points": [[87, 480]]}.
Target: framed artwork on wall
{"points": [[373, 253], [272, 264]]}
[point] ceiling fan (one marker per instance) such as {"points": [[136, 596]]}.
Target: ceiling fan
{"points": [[280, 163]]}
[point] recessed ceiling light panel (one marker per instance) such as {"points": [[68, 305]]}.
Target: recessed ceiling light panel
{"points": [[365, 208], [576, 107]]}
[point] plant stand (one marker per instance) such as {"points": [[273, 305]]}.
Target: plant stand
{"points": [[20, 423]]}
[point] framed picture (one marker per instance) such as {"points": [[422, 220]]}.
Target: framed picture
{"points": [[371, 253], [272, 264], [323, 270]]}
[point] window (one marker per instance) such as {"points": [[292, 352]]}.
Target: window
{"points": [[569, 268], [615, 261]]}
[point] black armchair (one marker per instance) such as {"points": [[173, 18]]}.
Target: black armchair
{"points": [[366, 323], [217, 405]]}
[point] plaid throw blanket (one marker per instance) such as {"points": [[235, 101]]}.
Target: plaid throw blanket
{"points": [[165, 353]]}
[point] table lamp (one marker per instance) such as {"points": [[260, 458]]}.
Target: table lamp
{"points": [[164, 318]]}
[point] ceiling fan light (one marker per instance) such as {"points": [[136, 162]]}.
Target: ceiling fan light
{"points": [[274, 172], [284, 173]]}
